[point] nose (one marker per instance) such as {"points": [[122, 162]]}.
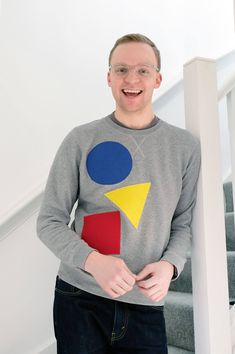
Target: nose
{"points": [[132, 75]]}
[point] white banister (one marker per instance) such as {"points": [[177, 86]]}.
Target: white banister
{"points": [[209, 263], [231, 125], [21, 211], [227, 87], [234, 12]]}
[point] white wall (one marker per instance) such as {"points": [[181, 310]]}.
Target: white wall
{"points": [[27, 273], [53, 63]]}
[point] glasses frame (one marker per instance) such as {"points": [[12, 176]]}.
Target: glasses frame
{"points": [[155, 67]]}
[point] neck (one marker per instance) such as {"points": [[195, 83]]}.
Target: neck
{"points": [[135, 120]]}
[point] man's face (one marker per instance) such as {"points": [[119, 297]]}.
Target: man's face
{"points": [[131, 90]]}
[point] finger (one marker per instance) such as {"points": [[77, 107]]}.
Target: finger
{"points": [[152, 291], [113, 294], [158, 297], [125, 285], [128, 276], [118, 290], [128, 279], [149, 283], [144, 273], [132, 275], [152, 294]]}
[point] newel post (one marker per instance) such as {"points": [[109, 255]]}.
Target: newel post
{"points": [[209, 260]]}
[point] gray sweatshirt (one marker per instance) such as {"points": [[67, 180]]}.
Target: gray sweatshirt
{"points": [[135, 192]]}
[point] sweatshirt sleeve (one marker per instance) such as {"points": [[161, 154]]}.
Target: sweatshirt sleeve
{"points": [[180, 236], [61, 193]]}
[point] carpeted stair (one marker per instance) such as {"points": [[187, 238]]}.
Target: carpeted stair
{"points": [[179, 302]]}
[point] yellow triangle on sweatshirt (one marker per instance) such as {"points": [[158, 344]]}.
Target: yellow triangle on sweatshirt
{"points": [[131, 200]]}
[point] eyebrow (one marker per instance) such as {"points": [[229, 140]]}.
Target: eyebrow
{"points": [[122, 63]]}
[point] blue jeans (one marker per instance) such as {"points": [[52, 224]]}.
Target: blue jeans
{"points": [[85, 323]]}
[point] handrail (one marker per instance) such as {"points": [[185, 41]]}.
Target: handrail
{"points": [[226, 87], [21, 212], [168, 87]]}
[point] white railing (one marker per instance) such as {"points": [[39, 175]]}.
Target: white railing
{"points": [[209, 262], [230, 97], [234, 12], [21, 212]]}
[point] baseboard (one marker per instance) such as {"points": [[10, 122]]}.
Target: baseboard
{"points": [[49, 348]]}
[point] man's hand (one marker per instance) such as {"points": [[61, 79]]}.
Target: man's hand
{"points": [[157, 277], [111, 273]]}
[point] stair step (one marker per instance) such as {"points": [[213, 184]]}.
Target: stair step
{"points": [[230, 232], [175, 350], [179, 320], [179, 302], [184, 282], [228, 196], [231, 274]]}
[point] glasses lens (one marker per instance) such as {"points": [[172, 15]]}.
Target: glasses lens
{"points": [[140, 70], [144, 70], [120, 70]]}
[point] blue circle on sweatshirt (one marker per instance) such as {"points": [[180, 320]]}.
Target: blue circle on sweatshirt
{"points": [[109, 163]]}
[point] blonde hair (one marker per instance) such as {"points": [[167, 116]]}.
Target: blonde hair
{"points": [[138, 38]]}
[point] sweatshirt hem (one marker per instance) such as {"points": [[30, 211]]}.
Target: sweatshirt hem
{"points": [[132, 297]]}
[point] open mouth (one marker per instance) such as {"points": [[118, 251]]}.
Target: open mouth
{"points": [[132, 93]]}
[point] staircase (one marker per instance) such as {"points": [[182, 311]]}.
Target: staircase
{"points": [[179, 302]]}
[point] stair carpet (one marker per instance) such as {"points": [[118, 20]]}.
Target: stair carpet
{"points": [[179, 302]]}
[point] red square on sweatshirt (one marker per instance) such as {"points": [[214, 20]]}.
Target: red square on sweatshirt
{"points": [[103, 232]]}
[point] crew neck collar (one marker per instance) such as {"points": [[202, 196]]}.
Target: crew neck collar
{"points": [[110, 119], [151, 124]]}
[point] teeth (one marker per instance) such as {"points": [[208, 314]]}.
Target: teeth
{"points": [[132, 91]]}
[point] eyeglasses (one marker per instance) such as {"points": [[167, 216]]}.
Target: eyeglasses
{"points": [[145, 70]]}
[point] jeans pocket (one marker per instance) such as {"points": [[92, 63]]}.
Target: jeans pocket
{"points": [[147, 308], [157, 308], [65, 288]]}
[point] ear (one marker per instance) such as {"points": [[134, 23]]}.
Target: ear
{"points": [[109, 79], [158, 80]]}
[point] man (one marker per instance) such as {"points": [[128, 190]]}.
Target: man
{"points": [[134, 177]]}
